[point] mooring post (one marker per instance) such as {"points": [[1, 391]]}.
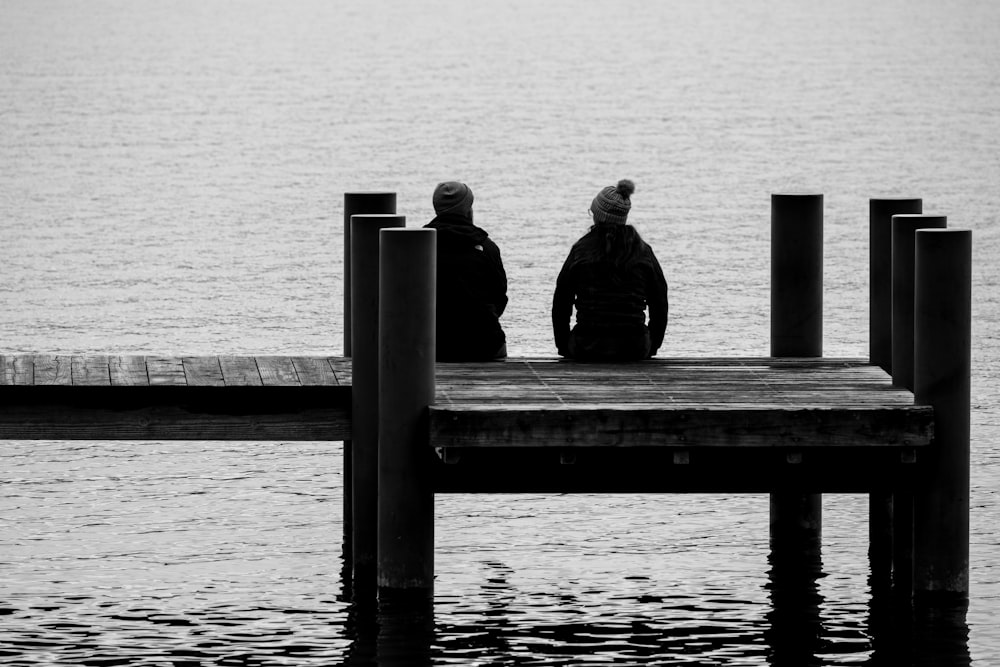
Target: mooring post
{"points": [[364, 392], [359, 203], [354, 203], [407, 303], [880, 212], [941, 377], [796, 331], [904, 228]]}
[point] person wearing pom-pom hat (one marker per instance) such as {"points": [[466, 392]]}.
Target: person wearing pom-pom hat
{"points": [[471, 281], [611, 277]]}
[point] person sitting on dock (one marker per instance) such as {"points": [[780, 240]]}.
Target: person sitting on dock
{"points": [[471, 281], [611, 275]]}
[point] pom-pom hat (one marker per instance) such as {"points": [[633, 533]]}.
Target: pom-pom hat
{"points": [[452, 197], [612, 204]]}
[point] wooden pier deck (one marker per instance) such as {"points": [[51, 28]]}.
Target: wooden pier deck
{"points": [[520, 425], [101, 397]]}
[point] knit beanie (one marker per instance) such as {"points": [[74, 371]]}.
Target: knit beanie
{"points": [[452, 197], [611, 205]]}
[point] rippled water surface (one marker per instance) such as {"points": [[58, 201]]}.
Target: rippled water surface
{"points": [[171, 179]]}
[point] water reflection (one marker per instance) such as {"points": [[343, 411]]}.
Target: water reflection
{"points": [[397, 629], [926, 633], [795, 629]]}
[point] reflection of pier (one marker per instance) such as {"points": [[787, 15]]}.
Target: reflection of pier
{"points": [[793, 424]]}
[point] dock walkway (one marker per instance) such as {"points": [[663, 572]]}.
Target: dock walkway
{"points": [[682, 405]]}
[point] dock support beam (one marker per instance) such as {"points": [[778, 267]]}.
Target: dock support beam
{"points": [[364, 395], [942, 371], [796, 519], [407, 303], [880, 212], [354, 203]]}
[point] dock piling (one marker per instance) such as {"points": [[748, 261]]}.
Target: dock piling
{"points": [[364, 396], [880, 212], [903, 229], [359, 203], [796, 519], [354, 203], [407, 302], [941, 378]]}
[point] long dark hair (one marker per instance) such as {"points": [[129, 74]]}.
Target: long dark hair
{"points": [[615, 243]]}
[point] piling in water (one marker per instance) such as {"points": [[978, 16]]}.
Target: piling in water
{"points": [[880, 212], [796, 519], [364, 394], [355, 203], [941, 377], [407, 302]]}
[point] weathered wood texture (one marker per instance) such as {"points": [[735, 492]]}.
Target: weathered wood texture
{"points": [[713, 402], [174, 398], [701, 402]]}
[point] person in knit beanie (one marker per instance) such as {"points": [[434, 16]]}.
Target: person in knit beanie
{"points": [[471, 281], [611, 277]]}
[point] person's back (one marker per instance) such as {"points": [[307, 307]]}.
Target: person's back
{"points": [[471, 281], [611, 275]]}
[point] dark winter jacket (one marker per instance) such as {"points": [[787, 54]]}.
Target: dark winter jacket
{"points": [[610, 298], [471, 291]]}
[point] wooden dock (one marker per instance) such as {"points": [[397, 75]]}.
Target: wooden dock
{"points": [[793, 424], [101, 397], [673, 425], [678, 404]]}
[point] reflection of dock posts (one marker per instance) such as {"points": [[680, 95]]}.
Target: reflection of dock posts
{"points": [[364, 395], [904, 227], [941, 378], [796, 331], [880, 214], [407, 302], [354, 203]]}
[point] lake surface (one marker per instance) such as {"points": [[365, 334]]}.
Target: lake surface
{"points": [[171, 181]]}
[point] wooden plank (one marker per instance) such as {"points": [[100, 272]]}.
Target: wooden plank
{"points": [[344, 369], [639, 426], [203, 371], [18, 370], [90, 371], [277, 371], [129, 371], [53, 370], [314, 371], [165, 372], [240, 371], [174, 412]]}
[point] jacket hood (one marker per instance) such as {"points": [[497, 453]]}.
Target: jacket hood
{"points": [[458, 227]]}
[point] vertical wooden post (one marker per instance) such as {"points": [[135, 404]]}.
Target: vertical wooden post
{"points": [[354, 203], [796, 331], [942, 371], [903, 230], [358, 203], [880, 212], [364, 392], [407, 303]]}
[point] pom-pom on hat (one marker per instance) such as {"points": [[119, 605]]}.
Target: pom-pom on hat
{"points": [[452, 197], [611, 205]]}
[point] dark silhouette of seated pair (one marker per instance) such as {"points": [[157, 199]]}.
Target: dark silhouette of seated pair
{"points": [[611, 277]]}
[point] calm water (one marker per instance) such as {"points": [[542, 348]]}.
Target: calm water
{"points": [[171, 179]]}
